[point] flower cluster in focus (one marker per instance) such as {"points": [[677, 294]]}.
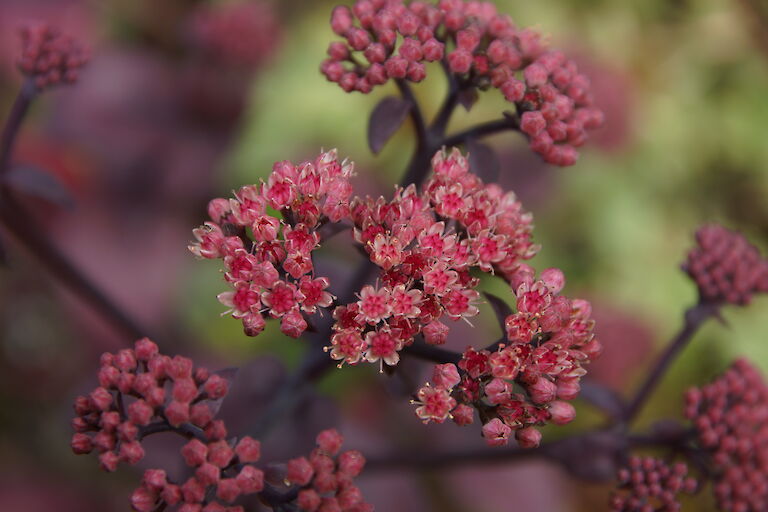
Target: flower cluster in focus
{"points": [[730, 416], [325, 478], [268, 259], [49, 57], [389, 39], [526, 381], [726, 267], [426, 245], [651, 485]]}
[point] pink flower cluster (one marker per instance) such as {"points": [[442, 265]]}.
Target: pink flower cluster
{"points": [[138, 388], [326, 477], [651, 485], [726, 267], [240, 33], [527, 381], [426, 245], [268, 259], [222, 469], [730, 416], [49, 57], [481, 47]]}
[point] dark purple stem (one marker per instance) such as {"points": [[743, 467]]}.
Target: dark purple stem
{"points": [[510, 122], [22, 225], [15, 118], [694, 317]]}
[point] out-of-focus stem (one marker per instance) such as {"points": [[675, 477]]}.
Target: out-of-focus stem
{"points": [[15, 118], [22, 225], [481, 130], [694, 317]]}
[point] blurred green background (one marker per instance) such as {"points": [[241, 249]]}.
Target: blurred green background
{"points": [[684, 85]]}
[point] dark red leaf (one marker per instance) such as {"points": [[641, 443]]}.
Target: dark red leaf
{"points": [[385, 119], [483, 161], [468, 97], [38, 183]]}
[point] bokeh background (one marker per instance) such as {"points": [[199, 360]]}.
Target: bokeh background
{"points": [[175, 109]]}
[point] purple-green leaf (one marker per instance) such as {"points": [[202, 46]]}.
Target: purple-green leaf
{"points": [[385, 120], [483, 161]]}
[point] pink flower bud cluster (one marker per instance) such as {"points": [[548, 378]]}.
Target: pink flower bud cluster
{"points": [[730, 416], [326, 477], [241, 34], [49, 57], [139, 388], [223, 472], [651, 485], [426, 245], [726, 267], [268, 259], [481, 47], [528, 381]]}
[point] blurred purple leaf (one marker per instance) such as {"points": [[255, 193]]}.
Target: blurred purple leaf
{"points": [[467, 98], [500, 307], [3, 254], [483, 161], [385, 119], [38, 183]]}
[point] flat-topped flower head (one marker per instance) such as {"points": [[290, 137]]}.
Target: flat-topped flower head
{"points": [[726, 267], [526, 382], [651, 484], [394, 39], [49, 57], [268, 258], [730, 418], [425, 265], [239, 34]]}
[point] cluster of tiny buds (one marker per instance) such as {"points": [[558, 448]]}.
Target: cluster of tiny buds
{"points": [[221, 468], [268, 258], [426, 245], [242, 34], [726, 267], [481, 48], [326, 478], [730, 417], [49, 57], [527, 382], [140, 391], [651, 485]]}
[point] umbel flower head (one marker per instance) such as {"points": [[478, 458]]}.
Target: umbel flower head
{"points": [[526, 382], [730, 417], [49, 57], [725, 266], [426, 245], [268, 259], [651, 485], [392, 39], [241, 34]]}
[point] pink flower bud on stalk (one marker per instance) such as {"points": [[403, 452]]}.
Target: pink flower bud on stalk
{"points": [[48, 57], [393, 40], [726, 267]]}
